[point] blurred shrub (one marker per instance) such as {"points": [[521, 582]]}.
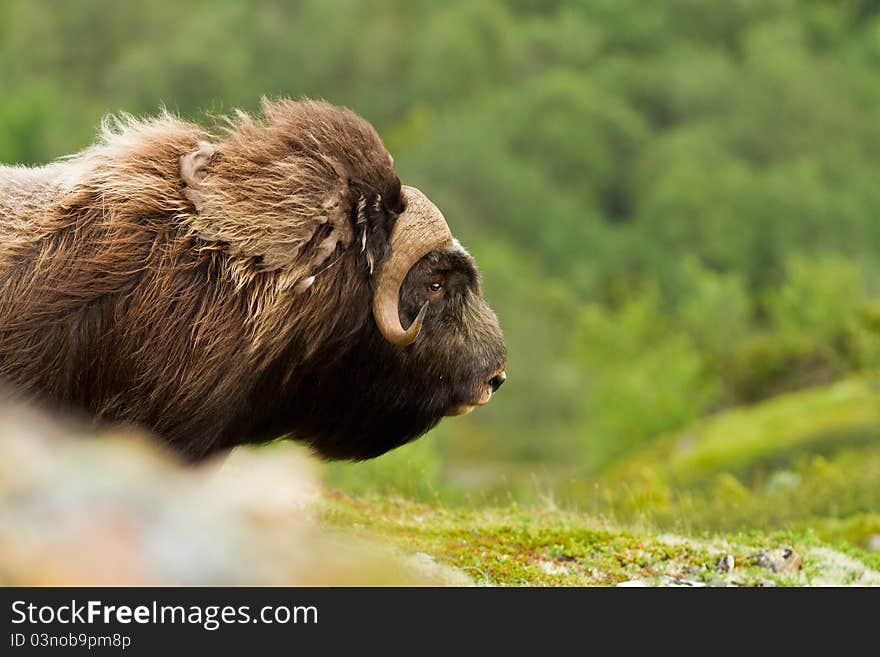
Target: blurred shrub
{"points": [[818, 298], [769, 363], [819, 327], [714, 308], [640, 378]]}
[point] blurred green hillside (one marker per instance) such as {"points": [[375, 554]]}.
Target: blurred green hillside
{"points": [[674, 204]]}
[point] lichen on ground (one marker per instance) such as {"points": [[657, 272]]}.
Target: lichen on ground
{"points": [[535, 546]]}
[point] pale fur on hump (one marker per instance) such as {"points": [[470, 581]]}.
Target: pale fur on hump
{"points": [[123, 171], [275, 193]]}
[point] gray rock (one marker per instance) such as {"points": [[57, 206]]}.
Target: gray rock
{"points": [[681, 582], [779, 560], [725, 563]]}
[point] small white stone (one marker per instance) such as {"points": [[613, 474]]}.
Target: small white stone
{"points": [[552, 568]]}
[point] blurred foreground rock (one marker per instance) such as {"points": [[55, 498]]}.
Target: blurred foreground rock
{"points": [[76, 509]]}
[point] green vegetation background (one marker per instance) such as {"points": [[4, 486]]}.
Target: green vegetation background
{"points": [[674, 206]]}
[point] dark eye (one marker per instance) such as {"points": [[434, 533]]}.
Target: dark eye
{"points": [[435, 286]]}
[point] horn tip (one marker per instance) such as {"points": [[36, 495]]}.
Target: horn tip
{"points": [[415, 328]]}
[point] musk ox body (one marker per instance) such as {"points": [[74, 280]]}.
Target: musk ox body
{"points": [[240, 286]]}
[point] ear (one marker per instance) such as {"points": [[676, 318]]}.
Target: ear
{"points": [[193, 170], [375, 213], [372, 229]]}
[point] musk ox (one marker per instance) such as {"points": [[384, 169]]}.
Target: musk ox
{"points": [[271, 279]]}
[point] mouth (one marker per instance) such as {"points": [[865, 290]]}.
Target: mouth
{"points": [[488, 389]]}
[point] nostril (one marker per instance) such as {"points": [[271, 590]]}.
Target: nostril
{"points": [[497, 381]]}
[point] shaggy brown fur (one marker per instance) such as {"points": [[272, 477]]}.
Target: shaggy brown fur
{"points": [[118, 297]]}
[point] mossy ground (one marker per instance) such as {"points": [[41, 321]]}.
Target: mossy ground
{"points": [[800, 470], [533, 546]]}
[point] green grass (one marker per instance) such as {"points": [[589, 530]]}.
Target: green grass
{"points": [[534, 546], [802, 469]]}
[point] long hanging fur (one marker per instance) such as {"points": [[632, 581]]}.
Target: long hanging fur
{"points": [[102, 255], [193, 307]]}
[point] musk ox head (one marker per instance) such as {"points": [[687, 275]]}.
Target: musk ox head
{"points": [[272, 279], [414, 339], [399, 382]]}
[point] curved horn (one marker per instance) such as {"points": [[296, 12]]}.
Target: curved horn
{"points": [[419, 230]]}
